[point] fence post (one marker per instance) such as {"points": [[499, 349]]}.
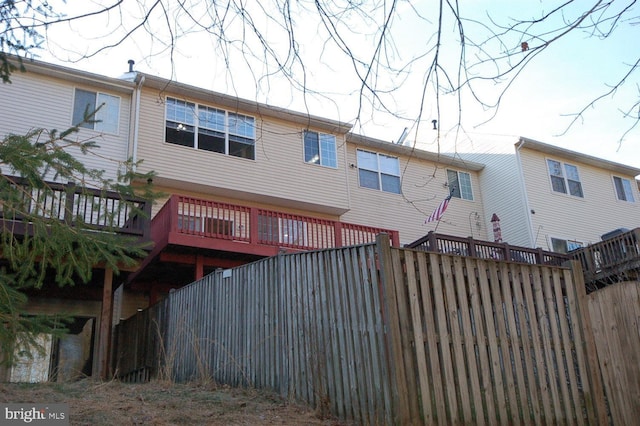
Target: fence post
{"points": [[471, 247], [282, 354], [393, 338], [507, 251], [593, 367], [432, 242]]}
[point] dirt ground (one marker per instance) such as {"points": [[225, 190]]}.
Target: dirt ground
{"points": [[159, 403]]}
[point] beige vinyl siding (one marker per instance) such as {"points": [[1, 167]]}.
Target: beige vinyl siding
{"points": [[47, 103], [278, 175], [422, 191], [573, 218]]}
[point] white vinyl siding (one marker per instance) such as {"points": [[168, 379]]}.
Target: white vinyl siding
{"points": [[568, 217]]}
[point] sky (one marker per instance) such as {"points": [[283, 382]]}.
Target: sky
{"points": [[322, 80]]}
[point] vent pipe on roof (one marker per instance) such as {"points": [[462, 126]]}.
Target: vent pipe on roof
{"points": [[131, 62], [403, 136]]}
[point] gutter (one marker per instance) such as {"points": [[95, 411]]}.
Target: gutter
{"points": [[136, 121]]}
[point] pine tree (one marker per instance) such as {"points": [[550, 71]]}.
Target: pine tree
{"points": [[55, 232]]}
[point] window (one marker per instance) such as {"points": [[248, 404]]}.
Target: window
{"points": [[379, 171], [180, 122], [565, 177], [211, 225], [320, 148], [189, 223], [624, 189], [106, 117], [559, 245], [277, 230], [460, 184], [210, 129]]}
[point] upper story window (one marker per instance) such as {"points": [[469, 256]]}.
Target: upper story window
{"points": [[106, 117], [565, 178], [624, 189], [210, 129], [320, 148], [379, 171], [460, 184]]}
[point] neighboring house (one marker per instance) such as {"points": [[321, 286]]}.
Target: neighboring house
{"points": [[554, 198]]}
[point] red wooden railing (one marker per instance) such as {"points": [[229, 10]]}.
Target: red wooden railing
{"points": [[218, 220]]}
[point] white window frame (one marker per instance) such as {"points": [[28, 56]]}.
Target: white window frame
{"points": [[107, 112], [237, 129], [462, 186], [626, 187], [380, 170], [564, 178], [325, 151], [569, 244]]}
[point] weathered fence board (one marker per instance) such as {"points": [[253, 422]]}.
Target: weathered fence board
{"points": [[382, 335], [615, 318]]}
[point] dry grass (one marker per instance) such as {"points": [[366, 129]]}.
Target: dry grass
{"points": [[160, 403]]}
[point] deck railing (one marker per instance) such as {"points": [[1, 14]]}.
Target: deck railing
{"points": [[441, 243], [225, 221], [95, 209], [612, 259]]}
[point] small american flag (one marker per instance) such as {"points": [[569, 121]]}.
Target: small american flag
{"points": [[439, 211]]}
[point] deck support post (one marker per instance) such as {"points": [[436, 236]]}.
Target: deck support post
{"points": [[104, 333]]}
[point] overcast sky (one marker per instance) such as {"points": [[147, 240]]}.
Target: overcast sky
{"points": [[557, 83]]}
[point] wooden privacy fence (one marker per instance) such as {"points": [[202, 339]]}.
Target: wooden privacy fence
{"points": [[615, 317], [381, 335]]}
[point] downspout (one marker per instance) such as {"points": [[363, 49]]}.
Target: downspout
{"points": [[525, 194], [136, 121]]}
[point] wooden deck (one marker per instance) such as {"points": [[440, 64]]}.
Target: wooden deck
{"points": [[440, 243], [94, 209], [613, 260], [206, 224]]}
